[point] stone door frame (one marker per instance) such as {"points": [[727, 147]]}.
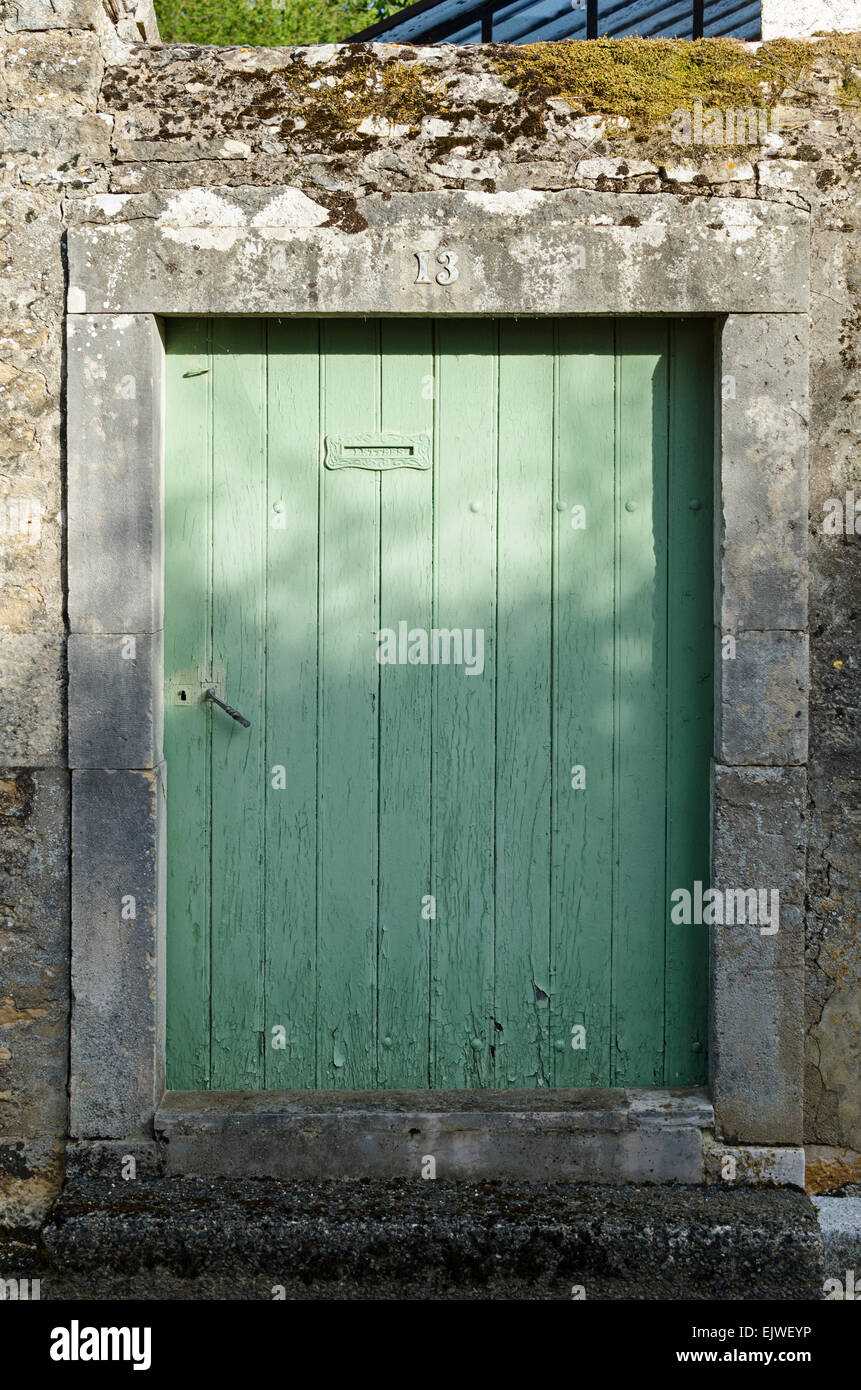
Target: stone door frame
{"points": [[258, 252]]}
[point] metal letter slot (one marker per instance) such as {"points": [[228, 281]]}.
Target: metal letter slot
{"points": [[379, 452]]}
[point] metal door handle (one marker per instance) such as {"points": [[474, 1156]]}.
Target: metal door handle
{"points": [[234, 713]]}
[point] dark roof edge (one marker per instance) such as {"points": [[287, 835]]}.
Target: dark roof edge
{"points": [[383, 25]]}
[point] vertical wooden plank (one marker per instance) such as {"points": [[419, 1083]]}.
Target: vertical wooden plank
{"points": [[690, 640], [291, 702], [463, 724], [238, 635], [188, 446], [348, 719], [523, 652], [406, 595], [583, 694], [641, 705]]}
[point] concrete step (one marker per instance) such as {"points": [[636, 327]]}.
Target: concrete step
{"points": [[594, 1135], [196, 1238]]}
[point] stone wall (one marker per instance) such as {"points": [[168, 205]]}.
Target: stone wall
{"points": [[89, 114]]}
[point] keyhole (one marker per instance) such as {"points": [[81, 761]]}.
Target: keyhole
{"points": [[182, 694]]}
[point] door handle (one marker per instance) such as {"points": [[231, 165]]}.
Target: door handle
{"points": [[234, 713]]}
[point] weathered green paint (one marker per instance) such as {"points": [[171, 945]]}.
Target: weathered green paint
{"points": [[406, 589], [583, 710], [462, 775], [639, 887], [291, 701], [348, 718], [238, 637], [523, 683], [305, 907]]}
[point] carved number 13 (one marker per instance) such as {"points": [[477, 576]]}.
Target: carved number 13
{"points": [[449, 272]]}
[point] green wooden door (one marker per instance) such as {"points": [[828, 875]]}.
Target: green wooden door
{"points": [[414, 872]]}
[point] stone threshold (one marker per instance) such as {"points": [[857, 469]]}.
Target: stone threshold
{"points": [[597, 1135]]}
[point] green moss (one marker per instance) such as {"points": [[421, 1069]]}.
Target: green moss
{"points": [[645, 81], [852, 91], [356, 87], [641, 81]]}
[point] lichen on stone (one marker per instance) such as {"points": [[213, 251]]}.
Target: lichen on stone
{"points": [[325, 100]]}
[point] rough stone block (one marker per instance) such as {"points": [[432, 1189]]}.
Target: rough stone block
{"points": [[762, 710], [518, 252], [49, 72], [115, 508], [834, 1042], [32, 674], [108, 1158], [34, 989], [840, 1223], [758, 838], [752, 1165], [40, 15], [747, 947], [833, 979], [115, 700], [560, 1136], [31, 1175], [117, 830], [763, 473], [34, 881], [757, 1053], [757, 977], [59, 139], [826, 1168]]}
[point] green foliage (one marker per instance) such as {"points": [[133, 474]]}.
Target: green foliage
{"points": [[268, 22]]}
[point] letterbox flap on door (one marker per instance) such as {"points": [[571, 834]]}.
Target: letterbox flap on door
{"points": [[378, 452]]}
